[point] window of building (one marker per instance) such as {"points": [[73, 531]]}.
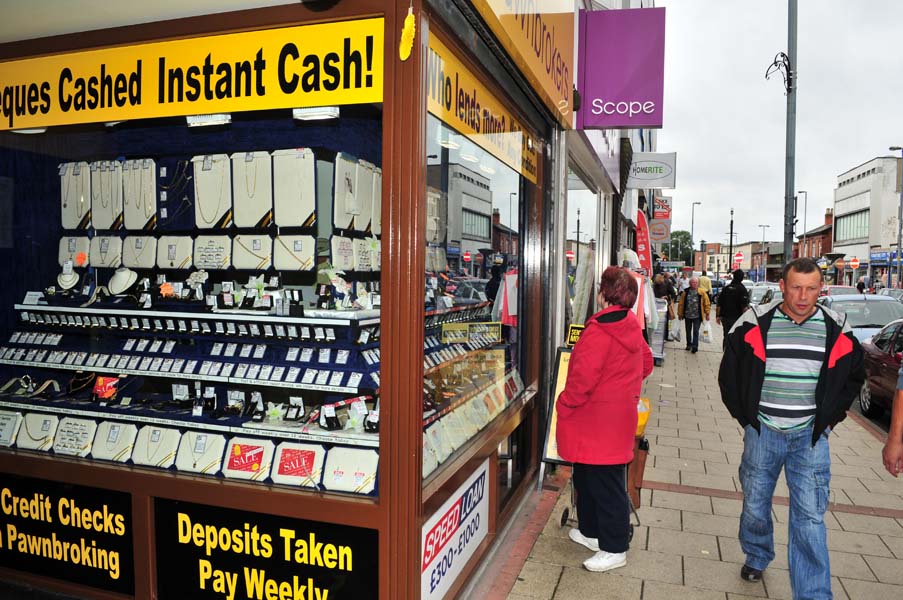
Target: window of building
{"points": [[475, 224], [852, 226]]}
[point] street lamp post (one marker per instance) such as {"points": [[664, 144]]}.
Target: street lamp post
{"points": [[764, 251], [899, 217], [805, 207], [693, 222]]}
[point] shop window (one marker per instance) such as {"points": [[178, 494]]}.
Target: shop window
{"points": [[209, 294], [472, 344], [852, 226]]}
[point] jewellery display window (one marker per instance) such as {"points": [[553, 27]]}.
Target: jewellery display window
{"points": [[208, 321], [472, 349]]}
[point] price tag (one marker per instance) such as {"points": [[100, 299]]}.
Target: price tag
{"points": [[266, 372], [309, 376], [132, 363], [190, 367], [241, 370], [260, 351], [155, 346], [292, 375], [231, 349], [325, 356], [254, 372], [307, 354], [246, 350], [227, 370], [322, 377], [217, 349], [336, 378], [354, 380], [255, 330], [169, 347], [342, 357], [292, 354], [278, 374], [329, 410]]}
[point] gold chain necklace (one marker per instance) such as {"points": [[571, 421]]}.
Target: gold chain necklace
{"points": [[150, 456], [41, 441], [219, 200], [304, 263], [148, 192], [100, 167], [263, 259], [251, 190], [135, 250]]}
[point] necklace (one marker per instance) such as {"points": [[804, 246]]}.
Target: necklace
{"points": [[67, 180], [136, 251], [263, 259], [104, 250], [305, 264], [149, 456], [148, 193], [219, 193], [248, 188], [41, 442], [95, 198]]}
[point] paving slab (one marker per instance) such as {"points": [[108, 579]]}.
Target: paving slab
{"points": [[659, 517], [868, 590], [689, 502], [860, 543], [847, 564], [684, 543], [580, 584], [719, 576], [711, 524], [886, 570], [537, 580], [653, 590], [869, 524]]}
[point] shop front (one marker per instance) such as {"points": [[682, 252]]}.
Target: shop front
{"points": [[259, 337]]}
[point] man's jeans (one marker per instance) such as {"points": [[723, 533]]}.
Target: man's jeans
{"points": [[808, 473], [692, 327]]}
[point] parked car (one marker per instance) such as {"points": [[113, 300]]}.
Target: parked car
{"points": [[883, 353], [772, 295], [895, 293], [866, 313], [759, 291], [838, 290]]}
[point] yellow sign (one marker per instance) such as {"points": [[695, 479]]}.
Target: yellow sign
{"points": [[457, 97], [539, 36], [550, 451], [574, 332], [293, 67], [455, 333]]}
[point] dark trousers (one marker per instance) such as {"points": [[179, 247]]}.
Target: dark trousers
{"points": [[727, 324], [692, 326], [603, 508]]}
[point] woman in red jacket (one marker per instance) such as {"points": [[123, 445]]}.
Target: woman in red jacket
{"points": [[597, 418]]}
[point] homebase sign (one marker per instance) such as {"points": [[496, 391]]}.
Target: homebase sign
{"points": [[453, 533], [621, 68]]}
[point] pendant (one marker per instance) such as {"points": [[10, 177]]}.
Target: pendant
{"points": [[194, 465]]}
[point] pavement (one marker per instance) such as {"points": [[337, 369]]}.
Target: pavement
{"points": [[687, 546]]}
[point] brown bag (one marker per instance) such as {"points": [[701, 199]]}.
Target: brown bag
{"points": [[671, 314]]}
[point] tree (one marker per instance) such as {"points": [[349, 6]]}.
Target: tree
{"points": [[681, 247]]}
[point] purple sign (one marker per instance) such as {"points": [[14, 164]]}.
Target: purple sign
{"points": [[621, 67]]}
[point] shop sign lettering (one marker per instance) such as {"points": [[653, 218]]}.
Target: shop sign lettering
{"points": [[218, 553], [311, 65], [78, 534]]}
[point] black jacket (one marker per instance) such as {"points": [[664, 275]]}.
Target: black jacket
{"points": [[743, 369], [732, 301]]}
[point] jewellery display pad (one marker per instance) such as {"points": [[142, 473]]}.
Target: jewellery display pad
{"points": [[9, 427], [74, 249], [121, 280], [174, 252], [201, 452], [75, 195], [252, 252], [139, 252], [106, 194], [37, 431], [139, 193], [364, 252], [212, 191], [298, 464], [363, 197], [341, 253], [376, 213], [114, 441], [248, 458], [344, 201], [212, 252], [294, 187], [295, 252], [106, 251], [156, 446], [252, 185], [74, 437], [430, 462], [351, 470]]}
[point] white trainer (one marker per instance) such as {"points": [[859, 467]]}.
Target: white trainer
{"points": [[605, 561], [581, 539]]}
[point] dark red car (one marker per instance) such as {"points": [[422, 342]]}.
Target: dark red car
{"points": [[883, 354]]}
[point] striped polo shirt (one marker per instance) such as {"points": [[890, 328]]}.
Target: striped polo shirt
{"points": [[794, 357]]}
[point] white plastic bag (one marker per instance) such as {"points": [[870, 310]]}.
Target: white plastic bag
{"points": [[706, 333], [674, 330]]}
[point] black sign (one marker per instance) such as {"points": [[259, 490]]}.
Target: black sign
{"points": [[223, 554], [574, 332], [79, 534]]}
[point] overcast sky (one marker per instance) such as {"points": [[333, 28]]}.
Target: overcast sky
{"points": [[727, 123]]}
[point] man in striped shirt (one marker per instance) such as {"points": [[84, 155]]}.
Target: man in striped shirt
{"points": [[789, 373]]}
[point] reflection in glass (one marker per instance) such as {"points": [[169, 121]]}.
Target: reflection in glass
{"points": [[471, 292]]}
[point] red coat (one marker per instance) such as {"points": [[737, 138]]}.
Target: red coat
{"points": [[597, 411]]}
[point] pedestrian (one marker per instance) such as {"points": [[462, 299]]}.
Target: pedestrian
{"points": [[705, 285], [860, 286], [683, 283], [788, 376], [732, 302], [597, 419], [492, 286], [893, 447], [693, 307]]}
